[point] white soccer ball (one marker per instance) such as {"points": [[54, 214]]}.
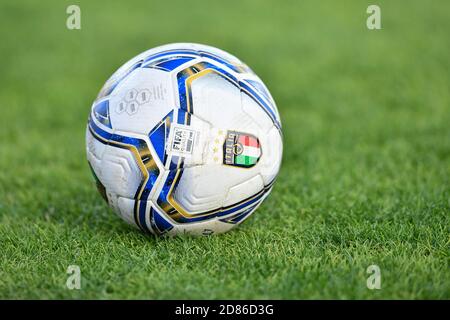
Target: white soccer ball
{"points": [[184, 138]]}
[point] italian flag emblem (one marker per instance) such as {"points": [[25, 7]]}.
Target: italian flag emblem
{"points": [[241, 149]]}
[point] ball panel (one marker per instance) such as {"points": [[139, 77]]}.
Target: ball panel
{"points": [[125, 210], [271, 161], [244, 190], [94, 152], [204, 188], [256, 113], [197, 192], [120, 173], [141, 100], [218, 102]]}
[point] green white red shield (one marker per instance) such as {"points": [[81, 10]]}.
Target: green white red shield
{"points": [[241, 149]]}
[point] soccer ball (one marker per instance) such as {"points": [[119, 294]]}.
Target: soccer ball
{"points": [[184, 138]]}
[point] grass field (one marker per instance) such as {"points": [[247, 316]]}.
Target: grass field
{"points": [[366, 170]]}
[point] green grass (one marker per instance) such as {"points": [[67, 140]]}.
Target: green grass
{"points": [[366, 169]]}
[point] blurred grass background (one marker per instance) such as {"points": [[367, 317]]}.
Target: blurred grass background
{"points": [[365, 175]]}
